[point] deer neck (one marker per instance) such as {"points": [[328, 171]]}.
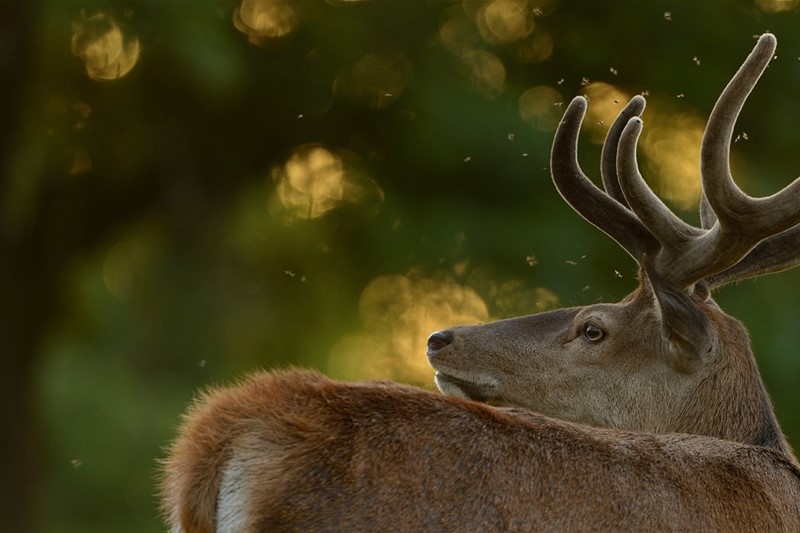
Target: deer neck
{"points": [[741, 409]]}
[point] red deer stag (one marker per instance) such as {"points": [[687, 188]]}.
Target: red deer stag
{"points": [[645, 415]]}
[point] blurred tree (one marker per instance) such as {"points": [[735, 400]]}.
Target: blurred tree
{"points": [[194, 190], [26, 289]]}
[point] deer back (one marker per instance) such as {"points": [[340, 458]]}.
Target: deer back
{"points": [[294, 451]]}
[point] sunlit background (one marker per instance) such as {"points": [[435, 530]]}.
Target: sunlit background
{"points": [[194, 190]]}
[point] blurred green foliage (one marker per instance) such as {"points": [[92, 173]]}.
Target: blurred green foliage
{"points": [[149, 249]]}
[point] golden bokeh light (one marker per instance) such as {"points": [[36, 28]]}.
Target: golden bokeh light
{"points": [[671, 143], [535, 48], [484, 72], [540, 107], [511, 298], [265, 20], [108, 51], [398, 313], [375, 80], [777, 6], [505, 297], [480, 70], [316, 180], [458, 34], [310, 183], [504, 21], [468, 27], [605, 103]]}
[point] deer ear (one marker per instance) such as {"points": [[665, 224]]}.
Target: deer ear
{"points": [[685, 330]]}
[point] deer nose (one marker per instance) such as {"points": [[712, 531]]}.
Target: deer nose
{"points": [[438, 340]]}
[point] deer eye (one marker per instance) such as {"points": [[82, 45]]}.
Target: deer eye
{"points": [[592, 333]]}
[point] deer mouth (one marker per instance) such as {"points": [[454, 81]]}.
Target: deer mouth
{"points": [[465, 388]]}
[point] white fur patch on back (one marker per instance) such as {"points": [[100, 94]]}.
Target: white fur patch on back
{"points": [[251, 474], [234, 491]]}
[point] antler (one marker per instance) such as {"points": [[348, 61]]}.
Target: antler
{"points": [[606, 211], [733, 223]]}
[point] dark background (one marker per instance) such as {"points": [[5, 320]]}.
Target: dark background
{"points": [[195, 189]]}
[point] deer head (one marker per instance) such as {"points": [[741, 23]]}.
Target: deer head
{"points": [[666, 358]]}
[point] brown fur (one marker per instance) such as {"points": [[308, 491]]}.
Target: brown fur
{"points": [[730, 401], [377, 456]]}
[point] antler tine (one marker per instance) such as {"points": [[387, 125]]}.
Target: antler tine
{"points": [[736, 211], [585, 197], [608, 158], [673, 233], [776, 254]]}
